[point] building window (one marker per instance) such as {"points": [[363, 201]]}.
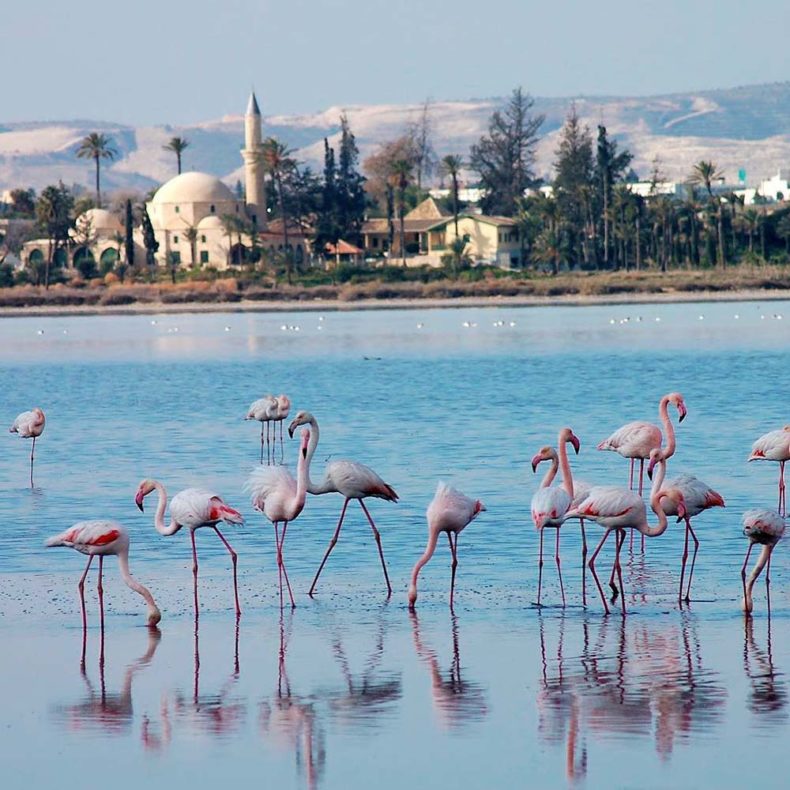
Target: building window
{"points": [[375, 242], [177, 209], [175, 239], [212, 209], [204, 256], [203, 239], [175, 257]]}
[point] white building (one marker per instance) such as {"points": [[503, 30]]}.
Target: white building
{"points": [[777, 187]]}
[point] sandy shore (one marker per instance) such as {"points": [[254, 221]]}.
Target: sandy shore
{"points": [[326, 305]]}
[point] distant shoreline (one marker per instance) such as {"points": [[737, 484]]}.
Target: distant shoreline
{"points": [[408, 303]]}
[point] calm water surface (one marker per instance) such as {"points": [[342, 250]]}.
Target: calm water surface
{"points": [[350, 690]]}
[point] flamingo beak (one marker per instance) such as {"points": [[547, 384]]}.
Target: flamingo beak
{"points": [[291, 428], [575, 442], [138, 500], [650, 470], [682, 412], [535, 461]]}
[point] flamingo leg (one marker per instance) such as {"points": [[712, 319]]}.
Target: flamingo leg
{"points": [[234, 559], [100, 588], [559, 568], [540, 565], [332, 543], [591, 566], [619, 568], [279, 560], [282, 563], [268, 448], [262, 443], [81, 588], [631, 477], [683, 560], [381, 551], [768, 584], [282, 445], [194, 569], [782, 500], [32, 454], [641, 474], [584, 564], [693, 558], [743, 569], [454, 564]]}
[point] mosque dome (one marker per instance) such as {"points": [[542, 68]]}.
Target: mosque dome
{"points": [[193, 187], [211, 222]]}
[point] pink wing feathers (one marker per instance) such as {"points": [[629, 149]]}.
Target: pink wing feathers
{"points": [[772, 446], [634, 440], [451, 510], [89, 535]]}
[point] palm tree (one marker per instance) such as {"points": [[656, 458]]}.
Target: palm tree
{"points": [[783, 231], [401, 174], [97, 146], [450, 166], [278, 162], [177, 145], [191, 235], [704, 173]]}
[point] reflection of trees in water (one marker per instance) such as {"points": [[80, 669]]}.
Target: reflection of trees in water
{"points": [[457, 701], [636, 678], [768, 694], [110, 712]]}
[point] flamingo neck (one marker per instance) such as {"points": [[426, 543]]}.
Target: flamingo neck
{"points": [[655, 503], [669, 428], [433, 538], [567, 478], [548, 478], [153, 611], [762, 560], [159, 516], [312, 487], [302, 479]]}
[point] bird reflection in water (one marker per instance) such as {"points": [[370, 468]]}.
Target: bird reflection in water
{"points": [[111, 713], [216, 714], [633, 679], [291, 721], [768, 695], [457, 701]]}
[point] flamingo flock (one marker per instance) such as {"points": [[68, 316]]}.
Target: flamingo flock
{"points": [[281, 497]]}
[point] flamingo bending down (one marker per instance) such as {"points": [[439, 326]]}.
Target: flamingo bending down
{"points": [[767, 528], [353, 481], [697, 497], [264, 410], [774, 446], [29, 424], [636, 439], [551, 503], [450, 511], [193, 508], [617, 509], [101, 538], [279, 497]]}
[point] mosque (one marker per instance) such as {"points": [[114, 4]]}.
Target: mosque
{"points": [[193, 218]]}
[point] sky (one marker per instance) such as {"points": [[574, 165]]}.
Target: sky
{"points": [[180, 62]]}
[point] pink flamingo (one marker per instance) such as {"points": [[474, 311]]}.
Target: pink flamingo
{"points": [[697, 497], [101, 538], [774, 446], [193, 508], [264, 410], [283, 408], [29, 424], [450, 511], [618, 509], [551, 503], [767, 528], [279, 497], [636, 439], [353, 481]]}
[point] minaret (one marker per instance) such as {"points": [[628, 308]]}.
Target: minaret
{"points": [[253, 167]]}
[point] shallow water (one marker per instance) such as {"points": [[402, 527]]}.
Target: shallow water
{"points": [[349, 689]]}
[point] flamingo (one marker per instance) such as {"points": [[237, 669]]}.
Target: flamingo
{"points": [[353, 481], [102, 538], [551, 503], [617, 509], [697, 496], [193, 508], [767, 528], [279, 497], [450, 511], [774, 446], [283, 408], [29, 424], [264, 410], [636, 439]]}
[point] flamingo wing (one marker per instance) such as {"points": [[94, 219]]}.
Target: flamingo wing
{"points": [[355, 480], [192, 507], [450, 510], [549, 506], [633, 440], [266, 482], [607, 504], [25, 424], [697, 495], [88, 536], [772, 446], [260, 408], [763, 526]]}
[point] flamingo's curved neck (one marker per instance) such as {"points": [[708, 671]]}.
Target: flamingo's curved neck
{"points": [[669, 428], [548, 478], [302, 478], [762, 560], [655, 503], [123, 562], [567, 478], [159, 517], [433, 538], [323, 487]]}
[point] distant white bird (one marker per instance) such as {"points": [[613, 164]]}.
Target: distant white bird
{"points": [[264, 410], [29, 425]]}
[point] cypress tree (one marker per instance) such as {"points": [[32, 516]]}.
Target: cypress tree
{"points": [[351, 201], [129, 242]]}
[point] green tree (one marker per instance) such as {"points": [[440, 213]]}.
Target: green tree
{"points": [[191, 235], [149, 241], [97, 146], [177, 145], [402, 170], [23, 203], [421, 132], [54, 218], [327, 226], [705, 173], [504, 158], [350, 186], [129, 235], [279, 163], [783, 231], [611, 166], [450, 167]]}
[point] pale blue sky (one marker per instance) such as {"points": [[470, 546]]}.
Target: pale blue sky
{"points": [[180, 61]]}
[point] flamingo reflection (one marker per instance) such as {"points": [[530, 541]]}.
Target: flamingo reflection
{"points": [[457, 701], [768, 695]]}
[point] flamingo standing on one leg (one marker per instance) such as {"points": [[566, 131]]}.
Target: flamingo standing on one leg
{"points": [[283, 408], [774, 446], [353, 481], [101, 538], [697, 497], [193, 508], [450, 511], [636, 439], [264, 410], [617, 509], [767, 528], [550, 503], [29, 424], [280, 497]]}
